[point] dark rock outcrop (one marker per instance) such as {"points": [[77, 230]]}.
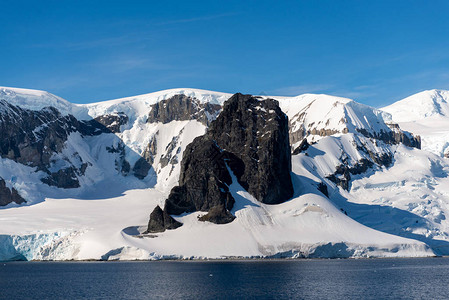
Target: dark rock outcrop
{"points": [[160, 220], [249, 137], [121, 164], [256, 132], [343, 172], [342, 175], [204, 179], [182, 108], [32, 137], [303, 146], [218, 215], [141, 168], [171, 151], [144, 163], [394, 136], [8, 195], [65, 178], [322, 187], [113, 122]]}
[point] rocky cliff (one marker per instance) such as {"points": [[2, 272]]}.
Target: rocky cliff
{"points": [[250, 138], [33, 138], [181, 108]]}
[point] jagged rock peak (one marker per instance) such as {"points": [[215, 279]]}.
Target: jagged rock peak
{"points": [[250, 138], [255, 131]]}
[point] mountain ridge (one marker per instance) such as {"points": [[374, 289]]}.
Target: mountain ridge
{"points": [[339, 146]]}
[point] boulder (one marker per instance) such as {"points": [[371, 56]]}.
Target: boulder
{"points": [[160, 221], [8, 195]]}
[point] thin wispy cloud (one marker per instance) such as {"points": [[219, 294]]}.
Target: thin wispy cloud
{"points": [[198, 19], [121, 64], [140, 37], [108, 42]]}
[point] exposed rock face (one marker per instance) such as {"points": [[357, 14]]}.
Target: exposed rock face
{"points": [[204, 179], [322, 187], [218, 215], [160, 220], [121, 164], [113, 122], [144, 163], [250, 137], [182, 108], [304, 145], [65, 178], [33, 137], [256, 133], [177, 108], [395, 136], [9, 195], [171, 152], [343, 172], [141, 168], [342, 175], [301, 128]]}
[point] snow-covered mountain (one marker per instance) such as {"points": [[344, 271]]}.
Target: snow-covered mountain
{"points": [[420, 106], [426, 114], [358, 189]]}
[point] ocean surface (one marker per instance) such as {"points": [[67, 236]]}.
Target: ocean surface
{"points": [[419, 278]]}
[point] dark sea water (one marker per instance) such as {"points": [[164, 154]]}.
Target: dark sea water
{"points": [[426, 278]]}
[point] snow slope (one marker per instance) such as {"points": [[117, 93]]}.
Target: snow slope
{"points": [[36, 100], [425, 114], [319, 113], [306, 226], [420, 106], [103, 165], [410, 198], [103, 219]]}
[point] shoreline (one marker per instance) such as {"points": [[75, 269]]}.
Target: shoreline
{"points": [[225, 259]]}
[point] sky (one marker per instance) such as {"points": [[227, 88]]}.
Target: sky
{"points": [[375, 52]]}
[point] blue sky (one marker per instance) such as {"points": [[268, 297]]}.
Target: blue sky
{"points": [[375, 52]]}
